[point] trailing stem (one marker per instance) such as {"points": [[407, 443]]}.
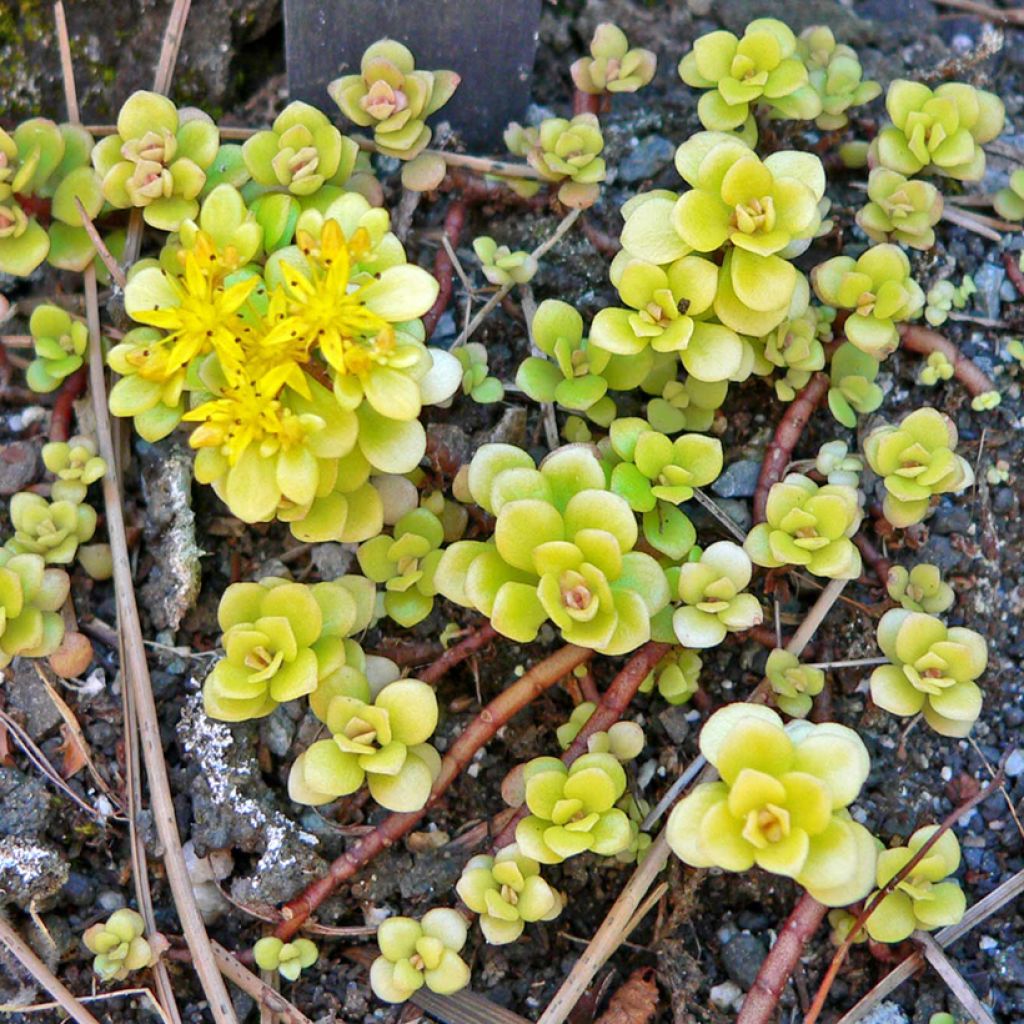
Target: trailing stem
{"points": [[924, 341], [454, 222], [455, 655], [70, 391], [878, 562], [491, 718], [1013, 270]]}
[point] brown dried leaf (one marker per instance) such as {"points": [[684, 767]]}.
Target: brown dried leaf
{"points": [[636, 1002]]}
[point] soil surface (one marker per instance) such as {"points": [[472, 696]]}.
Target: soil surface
{"points": [[705, 939]]}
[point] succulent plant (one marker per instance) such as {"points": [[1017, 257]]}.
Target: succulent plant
{"points": [[852, 384], [916, 460], [842, 923], [761, 67], [562, 549], [927, 898], [157, 160], [837, 465], [41, 160], [1009, 201], [900, 209], [944, 296], [119, 945], [623, 740], [938, 131], [920, 589], [835, 74], [281, 640], [572, 370], [878, 288], [667, 310], [76, 465], [796, 347], [59, 343], [572, 810], [936, 367], [933, 670], [781, 803], [383, 744], [477, 384], [792, 683], [714, 602], [405, 565], [508, 892], [53, 529], [301, 152], [289, 959], [612, 66], [565, 152], [31, 596], [688, 404], [676, 676], [502, 266], [227, 222], [418, 953], [810, 526]]}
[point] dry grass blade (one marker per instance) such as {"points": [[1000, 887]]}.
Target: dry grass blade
{"points": [[116, 273], [15, 944], [997, 14], [264, 995], [951, 976], [121, 993], [970, 222]]}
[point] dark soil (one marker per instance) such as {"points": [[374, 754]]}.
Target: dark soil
{"points": [[705, 940]]}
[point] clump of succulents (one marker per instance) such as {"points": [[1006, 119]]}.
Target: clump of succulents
{"points": [[944, 296], [383, 743], [761, 67], [76, 464], [781, 803], [405, 565], [281, 641], [477, 383], [612, 65], [1009, 201], [59, 343], [835, 462], [508, 892], [157, 160], [835, 74], [572, 370], [289, 959], [917, 461], [796, 347], [623, 740], [936, 367], [713, 598], [920, 589], [394, 97], [566, 152], [31, 597], [572, 810], [879, 289], [933, 670], [417, 953], [927, 898], [301, 152], [852, 387], [52, 529], [900, 209], [676, 676], [562, 549], [793, 684], [688, 404], [40, 161], [501, 265], [810, 526], [119, 945], [938, 131]]}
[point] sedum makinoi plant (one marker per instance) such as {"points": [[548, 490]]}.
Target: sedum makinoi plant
{"points": [[383, 743], [59, 343], [289, 959], [879, 289], [900, 209], [835, 74], [920, 589], [392, 96], [933, 671], [119, 945], [810, 526], [76, 464], [792, 683], [916, 461], [623, 740], [281, 641], [852, 387], [508, 893], [781, 803], [927, 898], [676, 676], [796, 347], [562, 549], [414, 954], [52, 529], [1008, 202], [564, 152], [938, 131], [500, 265], [612, 65], [31, 597]]}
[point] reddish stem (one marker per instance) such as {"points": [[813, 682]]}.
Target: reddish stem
{"points": [[878, 562], [761, 1001], [465, 648], [787, 435], [454, 220], [1013, 271], [614, 702], [586, 103], [70, 391], [395, 826], [925, 342]]}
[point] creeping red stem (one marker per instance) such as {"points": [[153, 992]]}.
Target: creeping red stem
{"points": [[70, 391], [454, 220], [923, 341]]}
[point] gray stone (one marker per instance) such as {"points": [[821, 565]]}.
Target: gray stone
{"points": [[989, 279], [742, 957], [646, 159], [31, 872], [332, 560], [24, 803], [675, 723], [277, 731], [739, 479], [885, 1013], [19, 466], [27, 695]]}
